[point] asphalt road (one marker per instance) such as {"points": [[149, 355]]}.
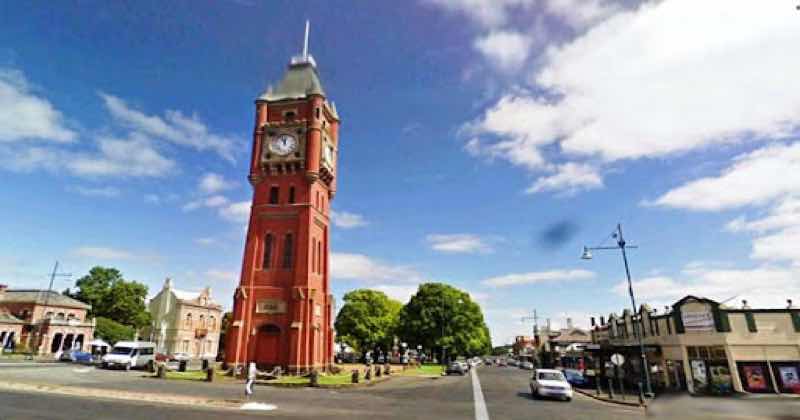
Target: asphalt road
{"points": [[505, 392]]}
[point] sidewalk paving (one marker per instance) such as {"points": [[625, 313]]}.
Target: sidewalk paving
{"points": [[626, 399]]}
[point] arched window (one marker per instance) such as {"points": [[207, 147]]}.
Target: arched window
{"points": [[202, 321], [291, 195], [267, 259], [273, 195], [188, 322], [212, 322], [313, 255], [288, 251], [60, 316], [319, 255], [48, 315]]}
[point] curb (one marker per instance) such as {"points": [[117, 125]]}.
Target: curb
{"points": [[137, 397], [593, 395], [326, 386]]}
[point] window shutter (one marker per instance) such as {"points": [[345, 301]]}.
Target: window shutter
{"points": [[676, 315], [796, 320], [751, 322], [721, 321]]}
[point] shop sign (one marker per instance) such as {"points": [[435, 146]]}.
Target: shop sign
{"points": [[698, 321], [617, 359], [271, 306], [789, 378], [755, 377]]}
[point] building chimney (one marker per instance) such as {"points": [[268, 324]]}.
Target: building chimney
{"points": [[602, 321], [666, 309], [788, 303], [592, 321], [569, 323], [745, 305]]}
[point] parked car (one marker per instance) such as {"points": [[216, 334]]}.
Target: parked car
{"points": [[512, 362], [575, 377], [180, 357], [526, 365], [130, 354], [456, 368], [550, 383]]}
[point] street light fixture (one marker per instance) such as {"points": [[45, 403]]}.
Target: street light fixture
{"points": [[621, 245]]}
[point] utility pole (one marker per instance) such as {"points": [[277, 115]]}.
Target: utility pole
{"points": [[53, 276], [535, 318]]}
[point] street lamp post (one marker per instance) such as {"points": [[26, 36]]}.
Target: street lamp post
{"points": [[621, 245]]}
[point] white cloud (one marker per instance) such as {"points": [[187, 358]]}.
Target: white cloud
{"points": [[506, 50], [580, 14], [488, 13], [104, 253], [108, 192], [27, 116], [347, 266], [570, 177], [538, 277], [460, 243], [210, 202], [212, 183], [174, 127], [400, 293], [236, 212], [134, 156], [761, 286], [346, 220], [751, 179], [630, 88]]}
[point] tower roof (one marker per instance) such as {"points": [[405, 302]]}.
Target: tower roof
{"points": [[300, 81]]}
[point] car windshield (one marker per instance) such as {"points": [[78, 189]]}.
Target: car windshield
{"points": [[550, 376], [121, 350]]}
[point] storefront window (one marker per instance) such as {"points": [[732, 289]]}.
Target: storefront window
{"points": [[788, 376], [755, 377]]}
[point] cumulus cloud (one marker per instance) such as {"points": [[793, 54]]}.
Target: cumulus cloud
{"points": [[628, 88], [174, 127], [236, 212], [212, 183], [538, 277], [459, 243], [24, 115], [210, 202], [569, 178], [506, 50], [487, 13], [346, 220], [347, 266]]}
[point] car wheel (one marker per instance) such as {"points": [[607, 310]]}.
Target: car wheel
{"points": [[151, 367], [567, 399]]}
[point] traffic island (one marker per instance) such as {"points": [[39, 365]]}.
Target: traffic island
{"points": [[342, 380]]}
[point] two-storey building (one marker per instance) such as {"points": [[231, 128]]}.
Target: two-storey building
{"points": [[703, 346], [185, 322]]}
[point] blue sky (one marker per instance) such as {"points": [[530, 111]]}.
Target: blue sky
{"points": [[472, 131]]}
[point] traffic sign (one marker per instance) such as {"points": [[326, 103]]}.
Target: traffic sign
{"points": [[617, 359]]}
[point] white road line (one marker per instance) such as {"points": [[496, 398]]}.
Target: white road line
{"points": [[477, 396]]}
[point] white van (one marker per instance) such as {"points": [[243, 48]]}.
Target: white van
{"points": [[130, 354]]}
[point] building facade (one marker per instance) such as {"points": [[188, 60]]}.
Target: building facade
{"points": [[282, 312], [185, 322], [701, 346], [45, 323]]}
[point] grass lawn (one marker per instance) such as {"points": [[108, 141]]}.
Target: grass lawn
{"points": [[196, 375], [342, 378], [428, 369]]}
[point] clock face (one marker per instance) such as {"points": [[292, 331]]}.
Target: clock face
{"points": [[283, 145], [327, 153]]}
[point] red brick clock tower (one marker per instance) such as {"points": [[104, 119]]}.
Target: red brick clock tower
{"points": [[282, 312]]}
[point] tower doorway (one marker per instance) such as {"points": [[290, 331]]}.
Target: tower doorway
{"points": [[268, 345]]}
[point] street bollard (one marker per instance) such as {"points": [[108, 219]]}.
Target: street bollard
{"points": [[368, 374], [622, 389], [378, 371], [210, 374], [162, 371], [599, 386], [610, 388], [205, 364], [641, 394], [387, 369], [314, 378], [354, 376]]}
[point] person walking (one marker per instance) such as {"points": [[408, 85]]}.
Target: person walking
{"points": [[251, 380]]}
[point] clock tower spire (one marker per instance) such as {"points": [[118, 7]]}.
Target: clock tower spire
{"points": [[283, 308]]}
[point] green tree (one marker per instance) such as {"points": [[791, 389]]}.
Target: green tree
{"points": [[113, 297], [440, 316], [112, 331], [367, 319]]}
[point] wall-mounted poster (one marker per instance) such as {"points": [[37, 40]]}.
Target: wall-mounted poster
{"points": [[789, 378], [720, 379], [699, 377], [755, 378]]}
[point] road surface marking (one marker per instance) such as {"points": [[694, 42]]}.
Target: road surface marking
{"points": [[477, 395], [258, 406]]}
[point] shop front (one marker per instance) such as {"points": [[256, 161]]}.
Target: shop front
{"points": [[711, 373]]}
